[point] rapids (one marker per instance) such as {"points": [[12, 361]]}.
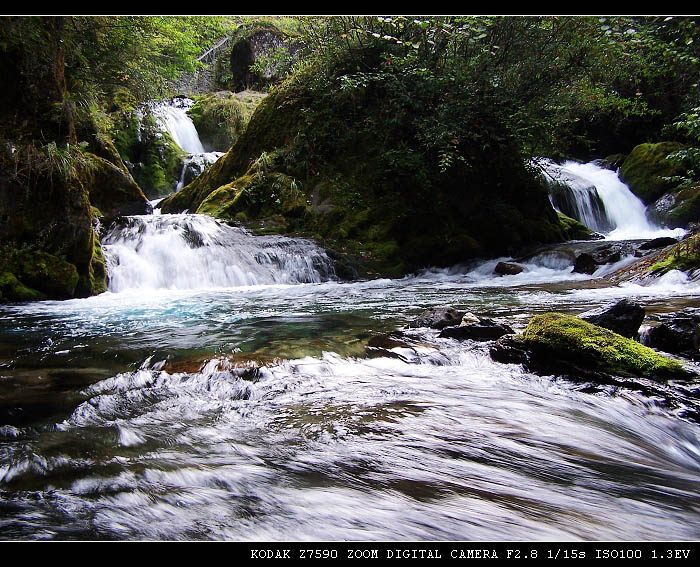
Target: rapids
{"points": [[223, 389]]}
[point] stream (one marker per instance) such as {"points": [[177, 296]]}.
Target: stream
{"points": [[222, 389]]}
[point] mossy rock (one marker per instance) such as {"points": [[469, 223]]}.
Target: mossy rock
{"points": [[678, 207], [11, 289], [155, 160], [221, 117], [569, 342], [573, 229], [46, 273], [646, 166], [93, 280]]}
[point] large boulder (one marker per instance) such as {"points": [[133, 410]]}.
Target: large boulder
{"points": [[678, 207], [678, 333], [113, 190], [645, 169], [354, 168], [624, 317], [554, 343]]}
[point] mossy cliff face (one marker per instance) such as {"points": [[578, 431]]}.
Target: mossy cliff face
{"points": [[355, 170], [563, 344]]}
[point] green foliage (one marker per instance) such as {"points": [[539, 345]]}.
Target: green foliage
{"points": [[683, 256], [565, 84], [686, 128]]}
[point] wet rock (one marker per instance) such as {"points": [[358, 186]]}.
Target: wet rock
{"points": [[554, 343], [679, 334], [585, 264], [624, 318], [507, 269], [438, 318], [482, 330], [660, 242], [589, 262]]}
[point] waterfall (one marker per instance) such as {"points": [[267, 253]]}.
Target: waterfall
{"points": [[173, 118], [596, 197], [185, 251]]}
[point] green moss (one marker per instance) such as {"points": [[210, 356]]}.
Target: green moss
{"points": [[221, 117], [645, 167], [684, 256], [570, 338], [47, 273], [93, 281], [11, 289], [156, 160], [573, 229]]}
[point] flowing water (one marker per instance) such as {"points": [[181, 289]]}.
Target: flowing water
{"points": [[223, 388], [595, 196]]}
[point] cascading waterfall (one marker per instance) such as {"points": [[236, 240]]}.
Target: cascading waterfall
{"points": [[190, 251], [596, 197], [198, 252], [173, 118]]}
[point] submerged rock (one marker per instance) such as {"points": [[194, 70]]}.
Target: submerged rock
{"points": [[554, 343], [438, 318], [481, 330], [624, 318]]}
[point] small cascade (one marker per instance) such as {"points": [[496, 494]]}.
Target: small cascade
{"points": [[596, 197], [174, 119], [187, 251], [194, 165]]}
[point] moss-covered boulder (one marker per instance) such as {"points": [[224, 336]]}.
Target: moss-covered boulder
{"points": [[47, 236], [575, 230], [113, 190], [554, 343], [645, 168], [46, 273], [221, 117], [11, 289], [678, 207]]}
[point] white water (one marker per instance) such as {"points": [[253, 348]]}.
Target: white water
{"points": [[198, 252], [624, 216], [173, 118]]}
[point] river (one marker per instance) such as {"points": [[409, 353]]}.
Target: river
{"points": [[223, 389]]}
